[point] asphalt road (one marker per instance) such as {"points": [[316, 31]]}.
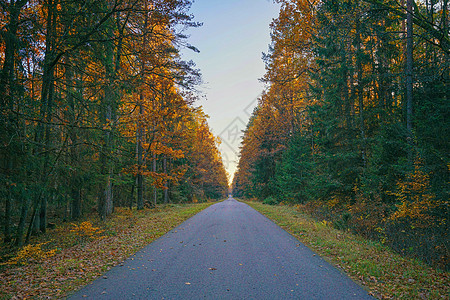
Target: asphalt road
{"points": [[228, 251]]}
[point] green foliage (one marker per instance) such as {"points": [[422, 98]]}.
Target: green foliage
{"points": [[343, 222], [43, 272], [383, 272], [271, 201], [336, 88], [80, 91], [293, 172]]}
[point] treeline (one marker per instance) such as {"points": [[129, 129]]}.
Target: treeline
{"points": [[354, 124], [97, 112]]}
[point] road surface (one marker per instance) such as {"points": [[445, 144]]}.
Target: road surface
{"points": [[228, 251]]}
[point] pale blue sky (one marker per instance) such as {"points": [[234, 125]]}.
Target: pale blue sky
{"points": [[231, 41]]}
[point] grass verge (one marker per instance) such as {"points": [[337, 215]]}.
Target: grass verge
{"points": [[80, 259], [384, 273]]}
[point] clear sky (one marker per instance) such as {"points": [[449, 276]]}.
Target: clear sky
{"points": [[231, 41]]}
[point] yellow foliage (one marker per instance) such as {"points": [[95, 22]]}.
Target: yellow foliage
{"points": [[333, 202], [326, 223], [414, 197], [31, 253], [85, 230]]}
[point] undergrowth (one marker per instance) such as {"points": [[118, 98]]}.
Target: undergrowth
{"points": [[386, 274], [70, 256]]}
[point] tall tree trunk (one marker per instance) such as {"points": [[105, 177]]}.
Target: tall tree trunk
{"points": [[132, 194], [139, 150], [111, 62], [105, 193], [7, 81], [409, 77], [7, 219], [360, 94], [346, 98], [140, 129], [43, 129], [75, 181], [75, 207], [34, 222], [446, 21], [74, 95], [22, 221], [155, 191], [166, 182], [49, 83], [8, 89], [105, 198]]}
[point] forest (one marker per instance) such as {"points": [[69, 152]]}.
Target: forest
{"points": [[97, 111], [353, 123]]}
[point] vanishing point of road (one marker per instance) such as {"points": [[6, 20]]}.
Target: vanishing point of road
{"points": [[227, 251]]}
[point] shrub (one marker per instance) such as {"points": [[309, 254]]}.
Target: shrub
{"points": [[31, 254], [85, 231], [270, 201]]}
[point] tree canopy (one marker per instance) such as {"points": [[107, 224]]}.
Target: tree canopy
{"points": [[335, 131], [98, 111]]}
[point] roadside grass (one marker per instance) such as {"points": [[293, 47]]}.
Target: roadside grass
{"points": [[381, 271], [79, 257]]}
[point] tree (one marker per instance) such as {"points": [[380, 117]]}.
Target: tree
{"points": [[335, 126], [78, 79]]}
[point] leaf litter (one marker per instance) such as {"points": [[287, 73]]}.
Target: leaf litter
{"points": [[75, 265]]}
